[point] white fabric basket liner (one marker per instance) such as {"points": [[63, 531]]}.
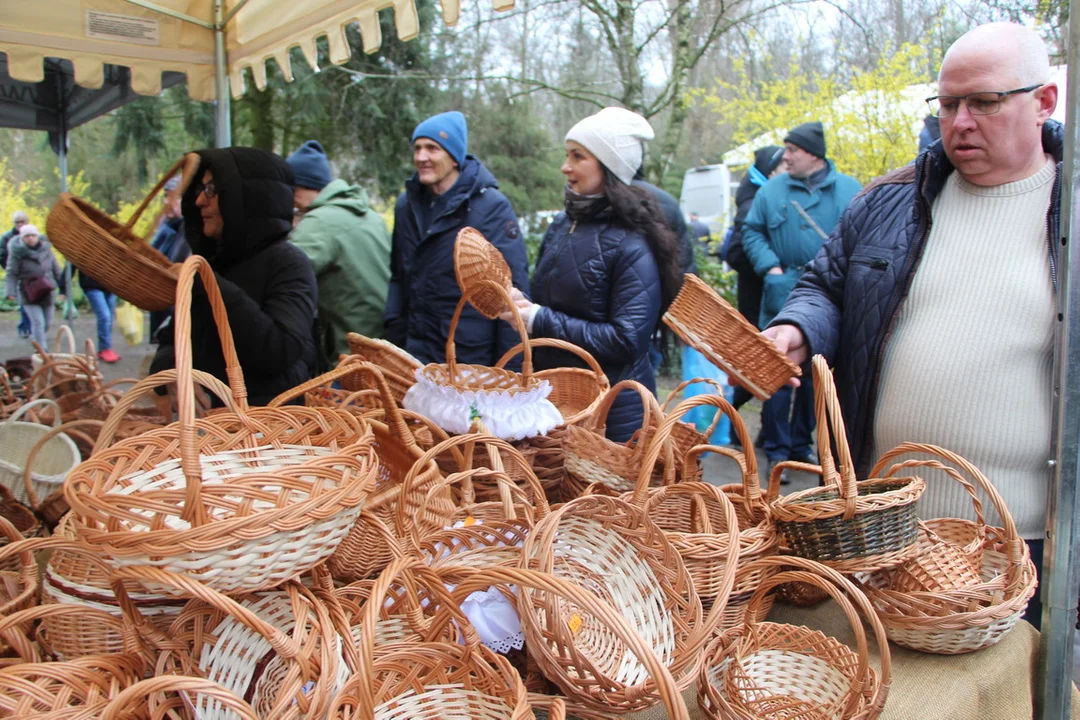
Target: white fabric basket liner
{"points": [[506, 415]]}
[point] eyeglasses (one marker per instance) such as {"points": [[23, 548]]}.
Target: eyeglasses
{"points": [[980, 103], [209, 189]]}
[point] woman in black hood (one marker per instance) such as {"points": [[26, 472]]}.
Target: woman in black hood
{"points": [[238, 212]]}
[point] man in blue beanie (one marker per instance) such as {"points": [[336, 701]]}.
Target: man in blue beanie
{"points": [[450, 190], [348, 245]]}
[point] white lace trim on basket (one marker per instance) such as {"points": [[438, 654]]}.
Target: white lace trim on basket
{"points": [[495, 619], [509, 416]]}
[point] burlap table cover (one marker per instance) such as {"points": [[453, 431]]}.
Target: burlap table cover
{"points": [[997, 683]]}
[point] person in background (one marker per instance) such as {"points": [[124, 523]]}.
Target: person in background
{"points": [[33, 277], [349, 248], [768, 162], [169, 240], [103, 303], [449, 191], [608, 265], [788, 222], [930, 133], [701, 233], [238, 212], [19, 219], [935, 299]]}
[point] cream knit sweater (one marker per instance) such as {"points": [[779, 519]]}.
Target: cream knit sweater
{"points": [[969, 364]]}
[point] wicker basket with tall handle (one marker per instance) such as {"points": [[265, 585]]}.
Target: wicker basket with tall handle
{"points": [[849, 526], [111, 252], [969, 583], [768, 670], [575, 391], [239, 500]]}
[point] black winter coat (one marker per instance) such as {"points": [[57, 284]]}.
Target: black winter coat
{"points": [[599, 288], [268, 284], [848, 299], [423, 288]]}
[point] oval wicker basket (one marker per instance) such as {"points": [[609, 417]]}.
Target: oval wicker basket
{"points": [[763, 668], [51, 463], [241, 501], [575, 391], [968, 584], [112, 253], [477, 266], [709, 324], [849, 526]]}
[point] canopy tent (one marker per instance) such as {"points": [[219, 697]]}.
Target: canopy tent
{"points": [[209, 41]]}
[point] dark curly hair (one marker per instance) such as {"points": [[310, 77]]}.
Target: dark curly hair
{"points": [[636, 208]]}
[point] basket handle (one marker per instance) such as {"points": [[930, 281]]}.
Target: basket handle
{"points": [[849, 597], [558, 344], [6, 384], [778, 469], [34, 403], [469, 580], [840, 473], [142, 387], [516, 321], [132, 702], [194, 511], [670, 399], [598, 421], [31, 495], [12, 632], [156, 189], [1016, 546], [64, 333]]}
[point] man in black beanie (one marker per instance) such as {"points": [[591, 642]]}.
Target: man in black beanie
{"points": [[789, 220]]}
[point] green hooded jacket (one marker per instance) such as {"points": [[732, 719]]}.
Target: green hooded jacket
{"points": [[349, 247]]}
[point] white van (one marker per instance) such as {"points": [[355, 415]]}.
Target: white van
{"points": [[706, 190]]}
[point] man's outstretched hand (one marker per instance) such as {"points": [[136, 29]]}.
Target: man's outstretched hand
{"points": [[790, 341]]}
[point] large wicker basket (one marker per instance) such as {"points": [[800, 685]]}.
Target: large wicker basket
{"points": [[771, 670], [710, 325], [969, 583], [112, 253], [242, 501], [849, 526]]}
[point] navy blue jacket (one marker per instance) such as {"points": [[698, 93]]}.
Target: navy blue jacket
{"points": [[268, 284], [848, 299], [600, 289], [423, 289]]}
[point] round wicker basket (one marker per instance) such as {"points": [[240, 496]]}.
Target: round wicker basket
{"points": [[477, 265]]}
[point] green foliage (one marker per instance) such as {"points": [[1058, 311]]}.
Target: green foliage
{"points": [[141, 126], [869, 122], [715, 275]]}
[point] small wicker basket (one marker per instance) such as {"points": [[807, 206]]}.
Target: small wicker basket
{"points": [[710, 325], [52, 462], [849, 526], [478, 265]]}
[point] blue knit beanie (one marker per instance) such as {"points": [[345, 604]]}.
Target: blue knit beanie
{"points": [[310, 167], [449, 130]]}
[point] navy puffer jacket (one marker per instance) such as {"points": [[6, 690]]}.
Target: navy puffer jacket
{"points": [[423, 288], [848, 299], [599, 288]]}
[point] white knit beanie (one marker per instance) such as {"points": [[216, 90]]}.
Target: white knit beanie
{"points": [[615, 136], [28, 230]]}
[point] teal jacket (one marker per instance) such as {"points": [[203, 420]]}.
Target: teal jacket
{"points": [[776, 234], [349, 247]]}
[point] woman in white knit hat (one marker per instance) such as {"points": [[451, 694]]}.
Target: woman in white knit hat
{"points": [[608, 265], [33, 276]]}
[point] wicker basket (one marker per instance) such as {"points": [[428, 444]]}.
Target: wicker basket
{"points": [[239, 500], [51, 464], [398, 367], [276, 649], [613, 550], [511, 405], [478, 265], [969, 583], [25, 522], [710, 325], [591, 459], [684, 435], [112, 253], [404, 680], [63, 363], [771, 670], [18, 585], [849, 526], [575, 391], [10, 400], [170, 695]]}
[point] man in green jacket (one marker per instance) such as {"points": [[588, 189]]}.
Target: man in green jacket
{"points": [[349, 247], [789, 220]]}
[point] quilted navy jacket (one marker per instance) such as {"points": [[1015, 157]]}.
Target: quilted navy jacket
{"points": [[600, 289], [848, 299], [423, 288]]}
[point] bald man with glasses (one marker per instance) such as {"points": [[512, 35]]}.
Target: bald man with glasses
{"points": [[934, 299]]}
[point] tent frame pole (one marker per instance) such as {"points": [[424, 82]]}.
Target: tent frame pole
{"points": [[1060, 578], [222, 120]]}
